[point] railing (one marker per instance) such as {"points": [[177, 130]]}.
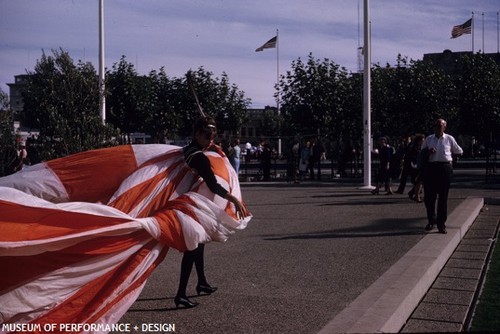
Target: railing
{"points": [[252, 171]]}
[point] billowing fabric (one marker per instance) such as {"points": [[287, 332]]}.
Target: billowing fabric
{"points": [[80, 235]]}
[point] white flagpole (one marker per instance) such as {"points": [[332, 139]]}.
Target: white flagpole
{"points": [[367, 161], [277, 85], [498, 36], [472, 32], [102, 98], [483, 29]]}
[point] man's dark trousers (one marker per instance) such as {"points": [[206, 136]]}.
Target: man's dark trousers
{"points": [[437, 180]]}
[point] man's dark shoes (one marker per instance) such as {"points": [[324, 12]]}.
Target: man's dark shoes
{"points": [[429, 227], [442, 230]]}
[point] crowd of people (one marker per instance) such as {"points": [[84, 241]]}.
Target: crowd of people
{"points": [[263, 153], [303, 161]]}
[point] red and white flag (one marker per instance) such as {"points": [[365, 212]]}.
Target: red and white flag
{"points": [[80, 235]]}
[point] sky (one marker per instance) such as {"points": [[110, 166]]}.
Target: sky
{"points": [[222, 35]]}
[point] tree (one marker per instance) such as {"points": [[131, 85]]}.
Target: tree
{"points": [[61, 100], [165, 107], [478, 91], [347, 126], [406, 99], [269, 122], [431, 95], [161, 118], [4, 100], [232, 108], [123, 97], [218, 98], [312, 97], [8, 154]]}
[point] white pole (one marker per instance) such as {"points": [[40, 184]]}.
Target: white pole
{"points": [[367, 161], [102, 98], [498, 35], [473, 32], [277, 85], [483, 29]]}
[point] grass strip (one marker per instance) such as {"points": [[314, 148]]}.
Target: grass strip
{"points": [[487, 315]]}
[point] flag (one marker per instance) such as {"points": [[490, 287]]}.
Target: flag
{"points": [[73, 259], [461, 29], [270, 44]]}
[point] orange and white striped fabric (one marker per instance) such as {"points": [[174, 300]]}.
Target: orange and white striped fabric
{"points": [[80, 235]]}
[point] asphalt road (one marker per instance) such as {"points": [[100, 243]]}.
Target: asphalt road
{"points": [[309, 251]]}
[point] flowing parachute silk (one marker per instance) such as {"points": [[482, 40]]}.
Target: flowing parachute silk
{"points": [[80, 235]]}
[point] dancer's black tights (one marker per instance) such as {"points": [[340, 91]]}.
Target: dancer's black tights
{"points": [[195, 256]]}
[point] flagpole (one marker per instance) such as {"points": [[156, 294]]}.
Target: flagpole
{"points": [[483, 29], [102, 97], [367, 173], [472, 32], [278, 87], [274, 43], [498, 36]]}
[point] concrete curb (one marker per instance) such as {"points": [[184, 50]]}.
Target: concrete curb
{"points": [[388, 303]]}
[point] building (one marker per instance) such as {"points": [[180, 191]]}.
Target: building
{"points": [[15, 92], [252, 130], [448, 60]]}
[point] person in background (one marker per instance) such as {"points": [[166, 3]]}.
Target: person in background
{"points": [[22, 156], [415, 156], [235, 161], [405, 148], [383, 175], [305, 153], [319, 155], [438, 174], [310, 165], [265, 160], [293, 163], [32, 151], [248, 155]]}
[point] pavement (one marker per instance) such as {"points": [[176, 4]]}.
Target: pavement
{"points": [[329, 257]]}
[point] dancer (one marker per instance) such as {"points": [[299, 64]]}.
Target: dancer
{"points": [[204, 132], [80, 235]]}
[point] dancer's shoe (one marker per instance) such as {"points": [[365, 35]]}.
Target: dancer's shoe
{"points": [[184, 301], [205, 288]]}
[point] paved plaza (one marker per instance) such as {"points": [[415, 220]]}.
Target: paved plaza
{"points": [[309, 252]]}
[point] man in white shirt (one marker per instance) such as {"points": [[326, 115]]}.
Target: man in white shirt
{"points": [[437, 174]]}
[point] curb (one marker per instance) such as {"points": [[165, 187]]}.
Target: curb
{"points": [[387, 304]]}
